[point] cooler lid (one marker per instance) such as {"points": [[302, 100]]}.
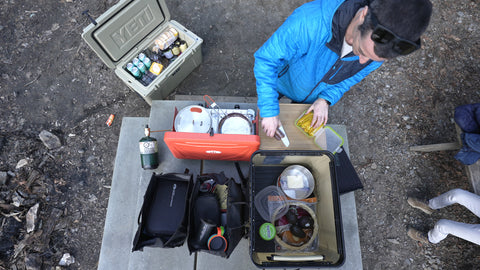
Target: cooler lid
{"points": [[124, 26]]}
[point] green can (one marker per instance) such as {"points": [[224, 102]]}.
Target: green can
{"points": [[148, 151], [267, 231]]}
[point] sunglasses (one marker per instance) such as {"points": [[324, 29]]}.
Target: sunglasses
{"points": [[383, 35]]}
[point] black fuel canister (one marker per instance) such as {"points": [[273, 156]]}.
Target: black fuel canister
{"points": [[148, 151]]}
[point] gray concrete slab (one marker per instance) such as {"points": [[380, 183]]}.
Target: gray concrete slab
{"points": [[161, 118], [121, 212], [129, 183], [351, 236]]}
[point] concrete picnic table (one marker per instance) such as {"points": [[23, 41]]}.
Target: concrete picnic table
{"points": [[130, 181]]}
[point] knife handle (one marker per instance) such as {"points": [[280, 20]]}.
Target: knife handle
{"points": [[278, 134]]}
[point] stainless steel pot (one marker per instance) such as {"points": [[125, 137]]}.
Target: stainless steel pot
{"points": [[194, 119]]}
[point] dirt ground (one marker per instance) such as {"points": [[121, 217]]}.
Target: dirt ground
{"points": [[51, 80]]}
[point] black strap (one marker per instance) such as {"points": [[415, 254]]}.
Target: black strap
{"points": [[243, 179]]}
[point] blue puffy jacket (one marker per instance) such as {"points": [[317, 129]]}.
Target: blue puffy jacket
{"points": [[301, 60]]}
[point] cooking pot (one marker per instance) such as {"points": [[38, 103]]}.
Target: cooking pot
{"points": [[194, 119], [235, 123]]}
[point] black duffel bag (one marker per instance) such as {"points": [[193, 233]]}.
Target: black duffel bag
{"points": [[174, 207], [163, 219]]}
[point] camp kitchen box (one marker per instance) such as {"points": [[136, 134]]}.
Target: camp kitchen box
{"points": [[327, 250], [216, 146], [130, 27]]}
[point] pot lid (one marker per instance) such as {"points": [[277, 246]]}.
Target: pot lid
{"points": [[194, 119]]}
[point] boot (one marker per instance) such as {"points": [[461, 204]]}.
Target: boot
{"points": [[418, 235], [420, 204]]}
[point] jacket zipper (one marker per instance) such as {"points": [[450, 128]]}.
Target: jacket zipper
{"points": [[313, 89]]}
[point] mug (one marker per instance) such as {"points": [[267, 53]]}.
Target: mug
{"points": [[217, 242]]}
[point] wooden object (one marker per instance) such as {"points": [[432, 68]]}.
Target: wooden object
{"points": [[298, 141], [473, 171]]}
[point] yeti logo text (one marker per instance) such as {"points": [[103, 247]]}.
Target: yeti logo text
{"points": [[132, 27]]}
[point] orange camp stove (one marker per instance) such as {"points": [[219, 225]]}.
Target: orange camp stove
{"points": [[232, 134]]}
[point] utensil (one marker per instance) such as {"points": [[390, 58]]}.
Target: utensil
{"points": [[280, 134], [301, 258]]}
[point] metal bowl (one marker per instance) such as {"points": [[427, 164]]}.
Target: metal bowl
{"points": [[296, 182]]}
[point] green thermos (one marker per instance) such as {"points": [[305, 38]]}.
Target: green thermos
{"points": [[148, 151]]}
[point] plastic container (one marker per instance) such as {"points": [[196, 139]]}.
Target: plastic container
{"points": [[326, 248], [127, 29], [325, 138], [267, 206], [328, 139]]}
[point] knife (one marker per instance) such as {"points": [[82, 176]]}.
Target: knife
{"points": [[280, 134]]}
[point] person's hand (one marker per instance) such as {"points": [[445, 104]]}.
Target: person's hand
{"points": [[270, 125], [320, 112]]}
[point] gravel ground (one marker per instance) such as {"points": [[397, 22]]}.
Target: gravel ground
{"points": [[51, 80]]}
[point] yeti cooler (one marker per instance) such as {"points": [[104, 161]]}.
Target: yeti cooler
{"points": [[132, 27]]}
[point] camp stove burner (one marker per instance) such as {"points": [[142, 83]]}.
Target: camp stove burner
{"points": [[233, 121]]}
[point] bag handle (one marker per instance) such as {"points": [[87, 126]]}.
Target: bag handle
{"points": [[219, 178]]}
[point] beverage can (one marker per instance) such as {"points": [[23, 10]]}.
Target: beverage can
{"points": [[183, 46], [110, 120], [145, 60], [130, 67], [135, 61], [141, 66], [136, 73], [176, 50]]}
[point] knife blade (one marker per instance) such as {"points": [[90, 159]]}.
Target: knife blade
{"points": [[280, 134]]}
